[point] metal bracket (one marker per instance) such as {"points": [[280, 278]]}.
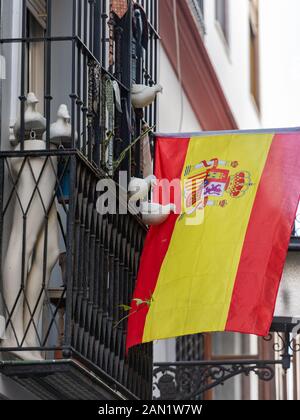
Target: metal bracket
{"points": [[189, 380]]}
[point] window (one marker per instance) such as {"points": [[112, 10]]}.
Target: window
{"points": [[222, 17], [190, 348], [201, 5], [38, 9], [198, 10], [254, 52], [35, 58]]}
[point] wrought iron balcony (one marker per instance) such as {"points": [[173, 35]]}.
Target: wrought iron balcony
{"points": [[70, 318], [66, 270]]}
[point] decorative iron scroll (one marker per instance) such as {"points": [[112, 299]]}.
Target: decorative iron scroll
{"points": [[188, 381]]}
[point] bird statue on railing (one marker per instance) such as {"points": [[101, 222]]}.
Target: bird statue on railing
{"points": [[143, 96], [154, 214], [2, 67], [139, 188], [61, 130], [33, 120]]}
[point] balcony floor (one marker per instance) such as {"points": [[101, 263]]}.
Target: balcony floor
{"points": [[62, 380]]}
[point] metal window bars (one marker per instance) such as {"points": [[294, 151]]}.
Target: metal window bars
{"points": [[99, 47]]}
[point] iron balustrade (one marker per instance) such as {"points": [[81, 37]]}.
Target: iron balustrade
{"points": [[74, 314], [94, 32], [97, 273]]}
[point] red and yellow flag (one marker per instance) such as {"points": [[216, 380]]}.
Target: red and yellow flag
{"points": [[220, 272]]}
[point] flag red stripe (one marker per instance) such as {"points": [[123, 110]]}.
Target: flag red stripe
{"points": [[158, 238], [267, 239]]}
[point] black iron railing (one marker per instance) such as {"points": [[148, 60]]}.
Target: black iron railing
{"points": [[73, 307], [74, 267], [101, 48], [105, 258]]}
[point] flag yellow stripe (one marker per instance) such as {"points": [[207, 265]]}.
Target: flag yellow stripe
{"points": [[196, 280]]}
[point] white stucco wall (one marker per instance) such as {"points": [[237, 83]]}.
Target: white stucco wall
{"points": [[280, 62], [170, 102], [231, 61]]}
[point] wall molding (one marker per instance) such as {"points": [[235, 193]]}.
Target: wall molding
{"points": [[199, 79]]}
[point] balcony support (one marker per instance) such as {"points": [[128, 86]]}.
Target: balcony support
{"points": [[190, 380]]}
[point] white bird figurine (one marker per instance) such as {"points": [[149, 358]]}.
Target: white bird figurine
{"points": [[2, 67], [138, 188], [154, 214], [33, 120], [143, 96], [117, 92], [61, 130]]}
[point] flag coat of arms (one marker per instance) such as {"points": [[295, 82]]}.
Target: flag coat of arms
{"points": [[217, 263]]}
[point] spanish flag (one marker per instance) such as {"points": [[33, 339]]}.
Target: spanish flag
{"points": [[216, 265]]}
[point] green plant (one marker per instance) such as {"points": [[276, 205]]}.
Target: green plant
{"points": [[140, 304], [109, 137], [123, 154]]}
